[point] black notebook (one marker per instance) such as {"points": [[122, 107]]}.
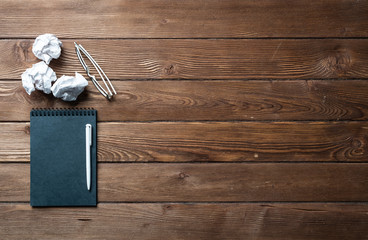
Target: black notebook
{"points": [[61, 141]]}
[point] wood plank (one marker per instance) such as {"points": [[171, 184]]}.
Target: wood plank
{"points": [[14, 182], [172, 19], [202, 58], [14, 142], [222, 182], [212, 141], [187, 221], [204, 100]]}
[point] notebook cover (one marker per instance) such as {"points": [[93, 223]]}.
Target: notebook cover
{"points": [[58, 158]]}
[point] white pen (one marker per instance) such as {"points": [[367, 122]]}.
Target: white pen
{"points": [[88, 154]]}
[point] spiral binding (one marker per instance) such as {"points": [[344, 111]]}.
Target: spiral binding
{"points": [[43, 112]]}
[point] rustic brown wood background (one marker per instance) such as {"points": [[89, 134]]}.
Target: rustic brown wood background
{"points": [[233, 119]]}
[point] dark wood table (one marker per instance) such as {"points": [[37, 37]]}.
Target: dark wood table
{"points": [[233, 119]]}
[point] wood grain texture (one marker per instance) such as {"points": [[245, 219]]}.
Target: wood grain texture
{"points": [[189, 19], [14, 182], [232, 182], [211, 141], [299, 221], [14, 142], [233, 119], [220, 182], [202, 58], [204, 100]]}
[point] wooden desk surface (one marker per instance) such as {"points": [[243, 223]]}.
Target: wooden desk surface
{"points": [[233, 119]]}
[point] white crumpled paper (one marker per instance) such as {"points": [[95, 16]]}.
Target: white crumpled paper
{"points": [[46, 47], [68, 88], [39, 76]]}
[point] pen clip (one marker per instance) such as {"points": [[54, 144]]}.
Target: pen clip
{"points": [[89, 133]]}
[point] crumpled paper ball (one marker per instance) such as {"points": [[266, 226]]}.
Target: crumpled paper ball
{"points": [[39, 76], [46, 47], [68, 88]]}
